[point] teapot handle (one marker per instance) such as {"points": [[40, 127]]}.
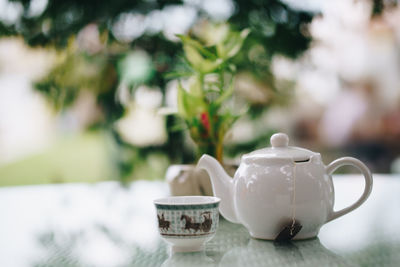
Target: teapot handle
{"points": [[368, 183]]}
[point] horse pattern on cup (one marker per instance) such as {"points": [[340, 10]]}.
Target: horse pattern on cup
{"points": [[187, 220], [204, 226]]}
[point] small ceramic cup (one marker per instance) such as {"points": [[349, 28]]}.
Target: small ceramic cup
{"points": [[187, 222]]}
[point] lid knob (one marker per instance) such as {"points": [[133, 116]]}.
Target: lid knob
{"points": [[279, 140]]}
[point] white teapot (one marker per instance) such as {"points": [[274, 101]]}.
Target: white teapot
{"points": [[276, 184]]}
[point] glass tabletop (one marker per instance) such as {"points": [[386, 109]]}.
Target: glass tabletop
{"points": [[106, 224]]}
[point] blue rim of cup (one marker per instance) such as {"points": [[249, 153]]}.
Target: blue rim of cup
{"points": [[192, 202]]}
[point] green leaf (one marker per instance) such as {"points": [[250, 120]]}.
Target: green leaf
{"points": [[195, 87], [198, 56], [186, 40], [232, 45], [181, 102], [198, 62], [189, 105], [178, 127], [226, 94], [177, 74], [193, 56]]}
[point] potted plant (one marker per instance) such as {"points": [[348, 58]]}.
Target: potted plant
{"points": [[205, 90]]}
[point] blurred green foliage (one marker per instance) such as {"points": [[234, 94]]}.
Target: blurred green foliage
{"points": [[275, 29], [83, 158]]}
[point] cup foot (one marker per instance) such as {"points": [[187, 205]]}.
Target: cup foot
{"points": [[186, 248]]}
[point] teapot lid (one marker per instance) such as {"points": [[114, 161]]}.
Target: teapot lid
{"points": [[280, 149]]}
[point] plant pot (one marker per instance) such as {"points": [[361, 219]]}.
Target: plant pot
{"points": [[186, 180]]}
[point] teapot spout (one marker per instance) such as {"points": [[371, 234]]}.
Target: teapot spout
{"points": [[222, 184]]}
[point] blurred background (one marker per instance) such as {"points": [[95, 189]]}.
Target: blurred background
{"points": [[82, 83]]}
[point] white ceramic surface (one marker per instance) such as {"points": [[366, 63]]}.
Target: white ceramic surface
{"points": [[274, 185], [187, 222], [186, 180]]}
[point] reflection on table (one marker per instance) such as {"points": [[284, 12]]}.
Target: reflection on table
{"points": [[108, 225]]}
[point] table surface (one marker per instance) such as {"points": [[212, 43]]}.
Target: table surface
{"points": [[105, 224]]}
